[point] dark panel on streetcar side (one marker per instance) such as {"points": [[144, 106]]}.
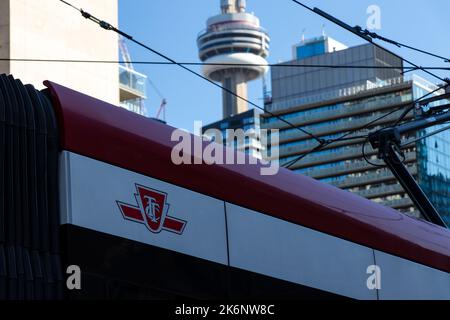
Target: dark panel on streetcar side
{"points": [[29, 250], [118, 268]]}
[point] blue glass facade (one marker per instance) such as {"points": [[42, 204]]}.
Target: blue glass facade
{"points": [[310, 50], [434, 166]]}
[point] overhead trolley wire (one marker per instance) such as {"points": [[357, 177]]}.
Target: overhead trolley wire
{"points": [[403, 115], [425, 136], [374, 35], [344, 136], [322, 143], [368, 38], [278, 65], [105, 25]]}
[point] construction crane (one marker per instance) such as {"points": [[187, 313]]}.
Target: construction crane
{"points": [[162, 110], [125, 54], [162, 107]]}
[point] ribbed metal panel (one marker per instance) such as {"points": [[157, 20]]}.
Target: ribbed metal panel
{"points": [[30, 266]]}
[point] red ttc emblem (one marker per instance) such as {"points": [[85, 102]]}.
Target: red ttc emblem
{"points": [[152, 210]]}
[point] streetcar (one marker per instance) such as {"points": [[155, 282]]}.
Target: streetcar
{"points": [[92, 207]]}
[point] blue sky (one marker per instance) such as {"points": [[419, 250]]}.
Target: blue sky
{"points": [[172, 28]]}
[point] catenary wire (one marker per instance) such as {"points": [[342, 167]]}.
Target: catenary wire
{"points": [[403, 115], [365, 126], [323, 145], [366, 36], [374, 35], [425, 136], [277, 65], [105, 25], [365, 155]]}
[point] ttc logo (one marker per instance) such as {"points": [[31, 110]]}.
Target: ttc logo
{"points": [[152, 210]]}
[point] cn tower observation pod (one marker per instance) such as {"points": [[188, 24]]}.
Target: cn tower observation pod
{"points": [[234, 47], [217, 66]]}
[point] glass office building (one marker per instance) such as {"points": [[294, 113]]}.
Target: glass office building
{"points": [[433, 158], [248, 121], [331, 102]]}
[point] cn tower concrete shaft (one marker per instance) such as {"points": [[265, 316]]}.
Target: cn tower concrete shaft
{"points": [[235, 81], [235, 48]]}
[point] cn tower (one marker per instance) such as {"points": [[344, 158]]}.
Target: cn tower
{"points": [[234, 37]]}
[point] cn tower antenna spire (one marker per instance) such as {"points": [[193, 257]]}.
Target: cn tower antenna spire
{"points": [[234, 37], [232, 6], [241, 5]]}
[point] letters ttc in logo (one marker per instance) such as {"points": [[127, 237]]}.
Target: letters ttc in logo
{"points": [[152, 210]]}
